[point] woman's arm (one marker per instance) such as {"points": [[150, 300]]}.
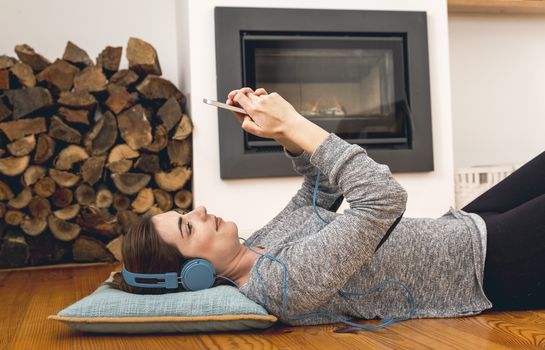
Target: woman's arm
{"points": [[321, 264], [329, 197]]}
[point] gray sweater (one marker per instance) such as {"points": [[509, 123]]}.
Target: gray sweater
{"points": [[440, 260]]}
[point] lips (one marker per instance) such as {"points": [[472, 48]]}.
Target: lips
{"points": [[218, 222]]}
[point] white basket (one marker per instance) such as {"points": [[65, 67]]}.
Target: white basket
{"points": [[473, 181]]}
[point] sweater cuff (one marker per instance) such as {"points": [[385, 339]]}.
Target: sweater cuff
{"points": [[328, 153], [301, 160]]}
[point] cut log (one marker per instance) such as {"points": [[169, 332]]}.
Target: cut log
{"points": [[27, 55], [92, 169], [126, 219], [173, 180], [5, 112], [125, 77], [24, 74], [119, 99], [62, 197], [184, 129], [70, 155], [148, 163], [33, 174], [76, 55], [79, 116], [58, 76], [120, 166], [23, 146], [63, 178], [152, 211], [85, 194], [44, 187], [89, 249], [163, 199], [121, 202], [183, 199], [77, 99], [63, 230], [154, 87], [14, 252], [33, 226], [135, 127], [7, 62], [160, 140], [3, 210], [109, 59], [27, 101], [143, 201], [121, 152], [114, 246], [104, 197], [19, 128], [12, 166], [5, 191], [67, 213], [179, 152], [14, 217], [44, 149], [90, 79], [22, 199], [142, 57], [45, 249], [170, 113], [39, 207], [4, 79], [103, 135], [60, 131], [130, 183], [98, 221]]}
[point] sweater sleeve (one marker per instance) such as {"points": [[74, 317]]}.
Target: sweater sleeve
{"points": [[328, 197], [320, 264]]}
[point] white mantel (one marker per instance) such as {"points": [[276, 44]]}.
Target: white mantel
{"points": [[252, 202]]}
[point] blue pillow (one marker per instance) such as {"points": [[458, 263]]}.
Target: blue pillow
{"points": [[109, 310]]}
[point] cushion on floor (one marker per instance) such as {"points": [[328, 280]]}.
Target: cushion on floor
{"points": [[109, 310]]}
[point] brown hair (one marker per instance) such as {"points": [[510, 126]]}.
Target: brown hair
{"points": [[144, 251]]}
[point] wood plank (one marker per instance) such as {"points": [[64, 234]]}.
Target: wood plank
{"points": [[497, 6], [29, 295]]}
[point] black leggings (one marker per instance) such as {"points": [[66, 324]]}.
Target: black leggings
{"points": [[514, 213]]}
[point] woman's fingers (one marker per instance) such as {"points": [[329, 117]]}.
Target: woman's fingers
{"points": [[260, 92], [244, 90], [243, 101]]}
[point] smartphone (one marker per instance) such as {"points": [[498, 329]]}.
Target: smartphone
{"points": [[223, 105]]}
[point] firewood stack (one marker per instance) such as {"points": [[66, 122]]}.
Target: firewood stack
{"points": [[86, 149]]}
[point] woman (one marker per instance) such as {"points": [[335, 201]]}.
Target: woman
{"points": [[319, 260]]}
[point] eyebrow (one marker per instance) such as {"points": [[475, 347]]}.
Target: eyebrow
{"points": [[180, 225]]}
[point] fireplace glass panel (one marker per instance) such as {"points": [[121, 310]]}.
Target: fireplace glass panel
{"points": [[352, 86]]}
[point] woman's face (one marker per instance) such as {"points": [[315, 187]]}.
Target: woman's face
{"points": [[197, 234]]}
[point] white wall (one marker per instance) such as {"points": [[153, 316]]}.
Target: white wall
{"points": [[498, 90], [92, 25], [252, 202]]}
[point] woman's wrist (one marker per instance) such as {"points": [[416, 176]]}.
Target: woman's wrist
{"points": [[304, 134]]}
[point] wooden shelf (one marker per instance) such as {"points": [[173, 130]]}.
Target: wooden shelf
{"points": [[497, 6]]}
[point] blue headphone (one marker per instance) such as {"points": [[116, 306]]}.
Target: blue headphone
{"points": [[195, 274]]}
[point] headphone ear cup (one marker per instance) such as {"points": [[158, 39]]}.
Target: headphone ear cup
{"points": [[197, 274]]}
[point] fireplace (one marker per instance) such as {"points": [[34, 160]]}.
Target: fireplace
{"points": [[361, 74]]}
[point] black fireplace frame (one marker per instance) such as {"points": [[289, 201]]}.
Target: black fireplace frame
{"points": [[236, 162]]}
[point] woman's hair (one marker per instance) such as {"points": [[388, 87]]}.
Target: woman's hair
{"points": [[144, 251]]}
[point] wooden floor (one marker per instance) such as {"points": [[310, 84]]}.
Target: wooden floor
{"points": [[27, 297]]}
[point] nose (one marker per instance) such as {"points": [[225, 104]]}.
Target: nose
{"points": [[202, 209]]}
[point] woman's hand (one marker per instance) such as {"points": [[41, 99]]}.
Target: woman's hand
{"points": [[269, 115]]}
